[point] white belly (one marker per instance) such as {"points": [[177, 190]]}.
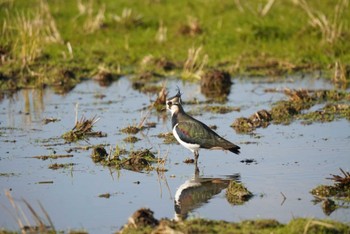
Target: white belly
{"points": [[192, 147]]}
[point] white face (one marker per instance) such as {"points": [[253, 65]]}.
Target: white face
{"points": [[172, 108]]}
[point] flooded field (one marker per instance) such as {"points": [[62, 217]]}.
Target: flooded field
{"points": [[279, 164]]}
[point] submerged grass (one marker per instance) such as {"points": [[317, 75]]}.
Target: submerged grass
{"points": [[240, 37]]}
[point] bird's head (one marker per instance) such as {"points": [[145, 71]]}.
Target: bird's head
{"points": [[173, 104]]}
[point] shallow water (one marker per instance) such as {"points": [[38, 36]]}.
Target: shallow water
{"points": [[290, 160]]}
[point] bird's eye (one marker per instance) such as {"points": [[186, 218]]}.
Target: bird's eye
{"points": [[170, 103]]}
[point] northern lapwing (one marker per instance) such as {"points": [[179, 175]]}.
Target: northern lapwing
{"points": [[193, 134]]}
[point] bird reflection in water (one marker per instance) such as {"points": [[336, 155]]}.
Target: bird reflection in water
{"points": [[197, 191]]}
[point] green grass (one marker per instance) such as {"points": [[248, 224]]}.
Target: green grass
{"points": [[235, 37], [297, 225]]}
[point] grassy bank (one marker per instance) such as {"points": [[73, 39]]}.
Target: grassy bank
{"points": [[61, 42], [248, 226]]}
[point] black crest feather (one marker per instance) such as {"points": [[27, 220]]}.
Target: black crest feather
{"points": [[178, 94]]}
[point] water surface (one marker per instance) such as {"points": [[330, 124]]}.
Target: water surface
{"points": [[290, 159]]}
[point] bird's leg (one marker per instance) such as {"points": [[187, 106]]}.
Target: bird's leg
{"points": [[196, 171], [196, 155]]}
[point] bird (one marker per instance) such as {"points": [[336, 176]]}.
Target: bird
{"points": [[192, 133]]}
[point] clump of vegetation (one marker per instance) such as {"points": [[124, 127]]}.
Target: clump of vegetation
{"points": [[261, 118], [243, 125], [56, 166], [194, 65], [142, 218], [327, 113], [189, 160], [146, 82], [105, 76], [341, 188], [140, 160], [168, 138], [332, 196], [285, 111], [216, 84], [330, 26], [83, 129], [128, 18], [131, 129], [159, 103], [53, 156], [191, 28], [43, 222], [237, 193], [99, 154], [131, 139], [221, 109]]}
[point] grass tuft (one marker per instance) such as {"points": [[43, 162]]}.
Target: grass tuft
{"points": [[194, 65]]}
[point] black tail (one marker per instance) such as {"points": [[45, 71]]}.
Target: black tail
{"points": [[235, 149]]}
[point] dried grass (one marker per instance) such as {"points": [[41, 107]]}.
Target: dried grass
{"points": [[29, 31], [41, 225], [194, 64], [330, 26]]}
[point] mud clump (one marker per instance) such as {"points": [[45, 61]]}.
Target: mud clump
{"points": [[189, 160], [140, 219], [99, 154], [165, 64], [64, 80], [104, 77], [237, 193], [216, 84], [146, 82]]}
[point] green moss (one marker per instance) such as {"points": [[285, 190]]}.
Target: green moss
{"points": [[237, 193]]}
